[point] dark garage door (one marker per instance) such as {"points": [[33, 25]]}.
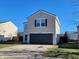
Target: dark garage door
{"points": [[41, 38]]}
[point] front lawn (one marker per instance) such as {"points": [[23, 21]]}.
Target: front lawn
{"points": [[70, 44], [62, 52], [67, 50], [6, 45]]}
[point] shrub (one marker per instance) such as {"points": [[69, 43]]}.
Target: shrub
{"points": [[64, 39]]}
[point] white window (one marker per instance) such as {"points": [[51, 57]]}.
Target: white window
{"points": [[37, 23], [41, 22]]}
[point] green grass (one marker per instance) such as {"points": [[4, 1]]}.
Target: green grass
{"points": [[6, 45], [70, 44], [62, 52], [69, 50]]}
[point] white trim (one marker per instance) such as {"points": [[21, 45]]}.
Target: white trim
{"points": [[57, 20], [23, 38], [28, 39], [54, 39], [41, 32]]}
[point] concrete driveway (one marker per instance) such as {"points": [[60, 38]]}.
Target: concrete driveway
{"points": [[28, 47], [25, 51]]}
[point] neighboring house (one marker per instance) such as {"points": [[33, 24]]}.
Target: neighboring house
{"points": [[72, 35], [8, 30], [41, 28]]}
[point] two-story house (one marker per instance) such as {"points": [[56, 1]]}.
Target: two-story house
{"points": [[8, 30], [41, 28]]}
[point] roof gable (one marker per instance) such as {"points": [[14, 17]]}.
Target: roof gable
{"points": [[8, 24], [42, 12]]}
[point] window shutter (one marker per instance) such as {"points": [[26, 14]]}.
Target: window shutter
{"points": [[46, 22], [35, 22]]}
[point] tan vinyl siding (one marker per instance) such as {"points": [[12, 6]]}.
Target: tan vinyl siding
{"points": [[57, 28], [50, 23]]}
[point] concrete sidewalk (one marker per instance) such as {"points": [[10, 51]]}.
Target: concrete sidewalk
{"points": [[28, 47]]}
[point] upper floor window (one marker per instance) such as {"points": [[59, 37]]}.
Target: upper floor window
{"points": [[40, 22], [37, 23], [44, 22]]}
